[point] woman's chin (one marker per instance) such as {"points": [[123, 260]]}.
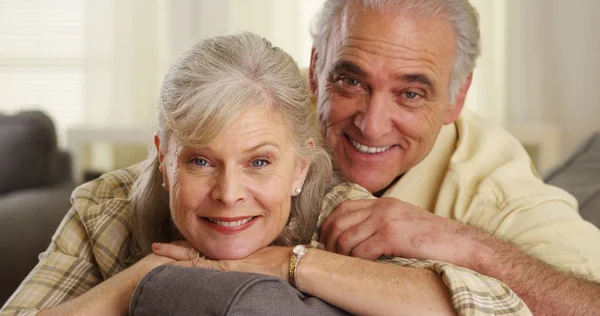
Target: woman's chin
{"points": [[228, 254]]}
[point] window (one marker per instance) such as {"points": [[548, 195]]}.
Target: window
{"points": [[41, 59], [308, 10]]}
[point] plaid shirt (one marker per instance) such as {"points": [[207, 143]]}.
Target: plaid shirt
{"points": [[86, 248]]}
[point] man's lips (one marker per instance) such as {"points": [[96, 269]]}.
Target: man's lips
{"points": [[364, 149]]}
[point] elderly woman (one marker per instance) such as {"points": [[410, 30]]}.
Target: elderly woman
{"points": [[237, 176]]}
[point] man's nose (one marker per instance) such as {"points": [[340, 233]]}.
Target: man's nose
{"points": [[373, 120], [229, 188]]}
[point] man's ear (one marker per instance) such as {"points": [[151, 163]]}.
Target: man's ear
{"points": [[302, 169], [454, 109], [312, 72]]}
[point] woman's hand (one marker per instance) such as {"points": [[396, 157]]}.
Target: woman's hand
{"points": [[269, 260]]}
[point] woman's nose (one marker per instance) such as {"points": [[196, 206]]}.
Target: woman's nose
{"points": [[229, 187]]}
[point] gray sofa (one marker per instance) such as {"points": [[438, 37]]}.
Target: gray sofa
{"points": [[35, 186], [580, 175]]}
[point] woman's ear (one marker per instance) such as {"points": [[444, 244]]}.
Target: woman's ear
{"points": [[161, 159], [302, 170]]}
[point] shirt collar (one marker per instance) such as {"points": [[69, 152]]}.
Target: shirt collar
{"points": [[421, 184]]}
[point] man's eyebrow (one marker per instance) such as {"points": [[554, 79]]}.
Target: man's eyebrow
{"points": [[346, 66], [421, 78]]}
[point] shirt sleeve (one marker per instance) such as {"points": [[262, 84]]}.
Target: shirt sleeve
{"points": [[549, 228], [65, 270], [471, 293]]}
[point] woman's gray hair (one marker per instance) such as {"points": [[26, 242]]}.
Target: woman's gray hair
{"points": [[460, 13], [202, 93]]}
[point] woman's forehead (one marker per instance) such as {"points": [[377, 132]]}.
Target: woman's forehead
{"points": [[255, 127]]}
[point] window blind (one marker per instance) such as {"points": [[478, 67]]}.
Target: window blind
{"points": [[41, 59]]}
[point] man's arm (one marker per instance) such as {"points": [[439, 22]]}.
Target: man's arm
{"points": [[388, 226], [544, 289]]}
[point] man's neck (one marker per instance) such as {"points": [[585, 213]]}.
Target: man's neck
{"points": [[382, 191]]}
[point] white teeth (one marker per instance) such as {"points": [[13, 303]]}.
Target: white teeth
{"points": [[230, 224], [368, 150]]}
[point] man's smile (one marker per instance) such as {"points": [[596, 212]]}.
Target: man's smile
{"points": [[364, 149]]}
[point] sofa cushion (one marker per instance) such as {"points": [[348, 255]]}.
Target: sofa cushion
{"points": [[28, 150], [579, 174]]}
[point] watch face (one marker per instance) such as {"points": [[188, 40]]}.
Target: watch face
{"points": [[299, 249]]}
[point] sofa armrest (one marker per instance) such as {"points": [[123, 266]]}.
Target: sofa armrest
{"points": [[172, 290], [27, 151]]}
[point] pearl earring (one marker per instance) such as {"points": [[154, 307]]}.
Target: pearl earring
{"points": [[298, 190], [164, 185]]}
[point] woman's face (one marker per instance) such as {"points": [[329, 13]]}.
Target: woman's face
{"points": [[233, 197]]}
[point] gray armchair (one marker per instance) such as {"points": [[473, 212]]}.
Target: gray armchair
{"points": [[35, 186]]}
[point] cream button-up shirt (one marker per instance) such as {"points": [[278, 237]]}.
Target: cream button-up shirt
{"points": [[480, 175]]}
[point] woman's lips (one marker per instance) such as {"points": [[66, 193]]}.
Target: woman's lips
{"points": [[230, 225]]}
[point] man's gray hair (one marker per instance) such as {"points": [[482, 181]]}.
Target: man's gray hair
{"points": [[460, 13], [204, 91]]}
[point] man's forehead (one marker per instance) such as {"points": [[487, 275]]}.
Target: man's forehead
{"points": [[393, 34], [395, 25]]}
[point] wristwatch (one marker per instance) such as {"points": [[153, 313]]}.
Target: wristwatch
{"points": [[297, 253]]}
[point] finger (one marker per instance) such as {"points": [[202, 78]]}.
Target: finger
{"points": [[369, 249], [341, 211], [175, 251], [341, 225], [183, 243], [188, 263], [355, 235], [201, 263]]}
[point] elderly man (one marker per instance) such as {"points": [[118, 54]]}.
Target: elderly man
{"points": [[390, 79]]}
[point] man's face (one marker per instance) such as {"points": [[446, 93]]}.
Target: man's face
{"points": [[384, 93]]}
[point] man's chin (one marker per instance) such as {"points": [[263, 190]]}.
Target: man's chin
{"points": [[373, 183]]}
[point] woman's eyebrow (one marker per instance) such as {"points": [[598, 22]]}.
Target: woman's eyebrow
{"points": [[261, 145]]}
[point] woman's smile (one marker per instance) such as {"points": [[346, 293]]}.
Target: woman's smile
{"points": [[230, 225]]}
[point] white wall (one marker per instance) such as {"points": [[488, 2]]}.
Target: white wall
{"points": [[284, 22], [129, 45], [553, 65], [487, 95]]}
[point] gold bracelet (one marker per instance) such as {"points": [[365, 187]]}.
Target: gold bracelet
{"points": [[297, 253]]}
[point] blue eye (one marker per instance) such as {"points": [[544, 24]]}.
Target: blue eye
{"points": [[259, 163], [200, 162]]}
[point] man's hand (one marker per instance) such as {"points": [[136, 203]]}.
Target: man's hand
{"points": [[388, 226]]}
